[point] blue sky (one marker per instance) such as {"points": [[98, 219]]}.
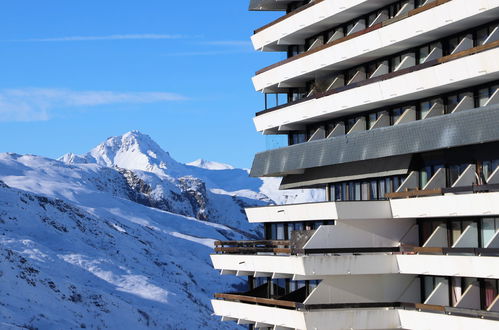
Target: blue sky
{"points": [[73, 73]]}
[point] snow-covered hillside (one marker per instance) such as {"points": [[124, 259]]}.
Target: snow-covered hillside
{"points": [[120, 237]]}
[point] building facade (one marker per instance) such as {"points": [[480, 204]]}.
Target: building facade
{"points": [[391, 107]]}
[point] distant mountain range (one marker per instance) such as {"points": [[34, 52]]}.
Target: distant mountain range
{"points": [[120, 237]]}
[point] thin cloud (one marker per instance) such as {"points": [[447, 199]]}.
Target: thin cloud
{"points": [[217, 47], [209, 53], [242, 43], [109, 37], [34, 104]]}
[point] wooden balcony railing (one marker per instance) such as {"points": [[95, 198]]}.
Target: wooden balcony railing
{"points": [[275, 247], [257, 300], [441, 191], [253, 247]]}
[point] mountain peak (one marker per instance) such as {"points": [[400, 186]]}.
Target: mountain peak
{"points": [[133, 150]]}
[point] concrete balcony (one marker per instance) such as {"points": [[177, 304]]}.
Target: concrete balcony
{"points": [[444, 75], [454, 16], [448, 205], [309, 267], [295, 27], [358, 316], [320, 211], [280, 318]]}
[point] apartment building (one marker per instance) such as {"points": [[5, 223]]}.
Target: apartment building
{"points": [[391, 107]]}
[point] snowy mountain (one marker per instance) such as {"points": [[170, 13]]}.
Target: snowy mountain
{"points": [[209, 165], [120, 237]]}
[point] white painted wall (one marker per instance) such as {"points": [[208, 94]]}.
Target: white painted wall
{"points": [[449, 265], [446, 206], [320, 211], [435, 321], [366, 288], [361, 233]]}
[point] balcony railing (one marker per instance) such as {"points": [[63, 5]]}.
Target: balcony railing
{"points": [[253, 247], [396, 305], [348, 37], [442, 191], [295, 247], [418, 67]]}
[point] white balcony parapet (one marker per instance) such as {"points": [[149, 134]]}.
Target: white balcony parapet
{"points": [[465, 71], [378, 43], [320, 211], [309, 267], [459, 205], [373, 318], [299, 26], [420, 320], [356, 318]]}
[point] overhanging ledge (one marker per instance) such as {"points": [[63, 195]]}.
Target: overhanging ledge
{"points": [[453, 130]]}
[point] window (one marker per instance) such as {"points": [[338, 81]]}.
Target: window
{"points": [[488, 167], [296, 138], [489, 229], [453, 173], [395, 115]]}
